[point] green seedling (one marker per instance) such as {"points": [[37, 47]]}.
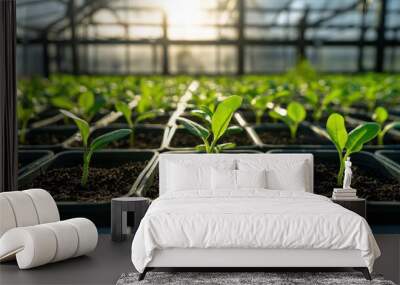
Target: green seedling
{"points": [[348, 143], [293, 116], [86, 105], [315, 96], [127, 113], [95, 144], [30, 102], [216, 123], [260, 104], [380, 116]]}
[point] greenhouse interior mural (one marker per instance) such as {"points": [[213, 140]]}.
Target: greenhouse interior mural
{"points": [[211, 134]]}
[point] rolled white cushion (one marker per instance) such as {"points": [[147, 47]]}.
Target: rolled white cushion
{"points": [[33, 246], [87, 234], [67, 240], [37, 245], [23, 208], [7, 218], [45, 205]]}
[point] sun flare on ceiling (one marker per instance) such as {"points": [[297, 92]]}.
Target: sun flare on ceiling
{"points": [[188, 19]]}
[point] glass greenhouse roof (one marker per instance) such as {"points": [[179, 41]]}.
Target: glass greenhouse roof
{"points": [[206, 28]]}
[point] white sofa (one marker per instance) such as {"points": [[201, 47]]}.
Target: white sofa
{"points": [[31, 231]]}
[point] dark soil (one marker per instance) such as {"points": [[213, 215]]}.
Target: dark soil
{"points": [[361, 117], [46, 138], [149, 140], [277, 137], [103, 183], [153, 189], [161, 120], [143, 140], [184, 139], [369, 184]]}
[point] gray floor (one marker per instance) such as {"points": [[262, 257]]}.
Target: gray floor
{"points": [[110, 260], [103, 266]]}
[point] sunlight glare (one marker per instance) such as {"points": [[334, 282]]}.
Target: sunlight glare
{"points": [[185, 17]]}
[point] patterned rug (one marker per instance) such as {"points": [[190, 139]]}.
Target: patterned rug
{"points": [[243, 278]]}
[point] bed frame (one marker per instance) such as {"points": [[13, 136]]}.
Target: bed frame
{"points": [[233, 259], [245, 259]]}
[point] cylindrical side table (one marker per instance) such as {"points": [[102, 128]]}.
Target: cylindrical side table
{"points": [[119, 208]]}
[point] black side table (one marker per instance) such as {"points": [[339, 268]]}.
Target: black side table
{"points": [[119, 208], [357, 205]]}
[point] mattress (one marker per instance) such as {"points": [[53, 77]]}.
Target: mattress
{"points": [[251, 219]]}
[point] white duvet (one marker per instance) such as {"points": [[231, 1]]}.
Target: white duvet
{"points": [[250, 219]]}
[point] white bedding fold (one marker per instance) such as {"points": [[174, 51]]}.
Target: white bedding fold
{"points": [[250, 219]]}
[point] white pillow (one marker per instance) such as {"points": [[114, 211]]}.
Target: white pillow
{"points": [[223, 179], [280, 174], [228, 179], [251, 178], [189, 176], [293, 179], [182, 177]]}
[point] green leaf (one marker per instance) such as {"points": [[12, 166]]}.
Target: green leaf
{"points": [[201, 147], [223, 115], [390, 126], [226, 146], [98, 104], [260, 102], [24, 113], [380, 115], [334, 95], [86, 101], [296, 112], [233, 130], [103, 140], [336, 130], [208, 110], [312, 98], [275, 115], [194, 128], [126, 111], [62, 102], [82, 125], [361, 135], [148, 115], [202, 115]]}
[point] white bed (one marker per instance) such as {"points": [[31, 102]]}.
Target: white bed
{"points": [[228, 226]]}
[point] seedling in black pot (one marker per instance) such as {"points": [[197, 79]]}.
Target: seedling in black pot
{"points": [[96, 144], [293, 116], [380, 116], [216, 124]]}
